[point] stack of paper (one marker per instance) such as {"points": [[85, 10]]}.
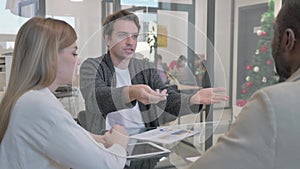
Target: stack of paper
{"points": [[165, 135]]}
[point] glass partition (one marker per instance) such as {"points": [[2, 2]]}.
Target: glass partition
{"points": [[241, 35]]}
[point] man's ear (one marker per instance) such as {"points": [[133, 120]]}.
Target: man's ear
{"points": [[289, 39], [107, 40]]}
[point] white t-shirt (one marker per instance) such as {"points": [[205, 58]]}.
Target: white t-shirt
{"points": [[131, 119], [42, 134]]}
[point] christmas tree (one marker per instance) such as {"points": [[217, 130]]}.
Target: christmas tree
{"points": [[261, 70]]}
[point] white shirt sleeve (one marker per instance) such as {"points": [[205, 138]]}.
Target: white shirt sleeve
{"points": [[71, 145], [49, 129]]}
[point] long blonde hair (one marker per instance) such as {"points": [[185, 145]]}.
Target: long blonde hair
{"points": [[34, 63]]}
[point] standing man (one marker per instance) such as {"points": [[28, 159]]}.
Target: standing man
{"points": [[266, 133], [128, 91]]}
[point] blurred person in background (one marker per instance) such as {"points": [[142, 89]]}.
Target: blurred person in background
{"points": [[162, 69]]}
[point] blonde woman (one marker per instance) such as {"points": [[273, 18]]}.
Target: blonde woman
{"points": [[35, 130]]}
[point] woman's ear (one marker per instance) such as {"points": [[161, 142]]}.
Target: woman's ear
{"points": [[289, 39]]}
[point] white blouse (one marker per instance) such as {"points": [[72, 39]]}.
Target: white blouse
{"points": [[42, 134]]}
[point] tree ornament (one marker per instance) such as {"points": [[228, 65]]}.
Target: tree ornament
{"points": [[263, 33], [241, 102], [256, 69], [258, 32], [249, 84], [248, 78], [263, 48], [264, 80], [268, 62], [248, 67], [244, 91], [257, 52]]}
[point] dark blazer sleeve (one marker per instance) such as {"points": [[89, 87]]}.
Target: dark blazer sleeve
{"points": [[88, 71], [97, 81], [109, 98], [177, 103]]}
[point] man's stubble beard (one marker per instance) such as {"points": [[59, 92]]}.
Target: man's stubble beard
{"points": [[282, 67]]}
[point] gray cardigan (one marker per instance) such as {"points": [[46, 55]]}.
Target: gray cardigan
{"points": [[97, 85]]}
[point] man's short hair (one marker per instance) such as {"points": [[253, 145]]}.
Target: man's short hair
{"points": [[158, 56], [109, 21], [182, 58], [289, 17]]}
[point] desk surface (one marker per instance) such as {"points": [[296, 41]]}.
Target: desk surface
{"points": [[183, 152]]}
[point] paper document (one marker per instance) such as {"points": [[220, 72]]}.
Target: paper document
{"points": [[165, 135]]}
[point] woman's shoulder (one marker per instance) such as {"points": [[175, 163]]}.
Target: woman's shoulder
{"points": [[34, 102], [36, 97]]}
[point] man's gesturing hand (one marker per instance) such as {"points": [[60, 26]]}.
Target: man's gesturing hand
{"points": [[145, 94], [209, 96]]}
